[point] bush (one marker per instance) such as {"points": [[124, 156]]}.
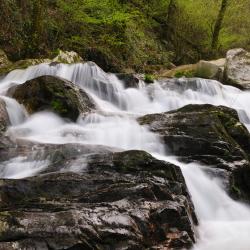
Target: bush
{"points": [[149, 78]]}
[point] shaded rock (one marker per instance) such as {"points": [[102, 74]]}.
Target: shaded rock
{"points": [[211, 135], [55, 94], [4, 117], [237, 69], [104, 60], [129, 80], [121, 200], [4, 61], [5, 143], [211, 69]]}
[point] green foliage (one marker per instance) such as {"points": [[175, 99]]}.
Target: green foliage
{"points": [[149, 78], [185, 73], [133, 35], [58, 106]]}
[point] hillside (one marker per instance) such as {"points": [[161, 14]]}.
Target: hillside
{"points": [[132, 35]]}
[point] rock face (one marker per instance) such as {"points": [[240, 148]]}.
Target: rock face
{"points": [[237, 70], [54, 94], [211, 135], [120, 200]]}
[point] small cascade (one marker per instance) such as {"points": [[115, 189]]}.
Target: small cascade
{"points": [[176, 93], [224, 223], [109, 92], [114, 131], [16, 112], [21, 167]]}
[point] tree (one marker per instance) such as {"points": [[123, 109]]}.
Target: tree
{"points": [[23, 5], [218, 24], [37, 22], [170, 16]]}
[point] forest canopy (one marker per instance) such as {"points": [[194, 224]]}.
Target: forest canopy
{"points": [[125, 35]]}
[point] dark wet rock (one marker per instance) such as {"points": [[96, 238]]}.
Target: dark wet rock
{"points": [[5, 143], [119, 200], [54, 94], [129, 80], [4, 117], [104, 60], [210, 135], [6, 146]]}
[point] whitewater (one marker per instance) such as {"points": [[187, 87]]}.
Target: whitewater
{"points": [[224, 224]]}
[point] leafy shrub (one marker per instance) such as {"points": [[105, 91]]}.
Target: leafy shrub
{"points": [[149, 78]]}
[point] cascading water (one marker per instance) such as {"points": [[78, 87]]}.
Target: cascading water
{"points": [[224, 224]]}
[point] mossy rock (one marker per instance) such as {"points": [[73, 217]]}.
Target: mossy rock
{"points": [[53, 94], [66, 57], [149, 78]]}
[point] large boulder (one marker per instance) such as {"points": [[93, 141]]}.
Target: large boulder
{"points": [[54, 94], [118, 200], [237, 69], [211, 135], [204, 69], [211, 69]]}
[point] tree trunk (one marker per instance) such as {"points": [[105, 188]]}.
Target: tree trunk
{"points": [[37, 22], [218, 24], [170, 17], [23, 7]]}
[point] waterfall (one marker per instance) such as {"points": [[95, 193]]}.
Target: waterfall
{"points": [[224, 223]]}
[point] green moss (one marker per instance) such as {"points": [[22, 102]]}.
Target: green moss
{"points": [[58, 106], [185, 73], [149, 78], [236, 191], [22, 64]]}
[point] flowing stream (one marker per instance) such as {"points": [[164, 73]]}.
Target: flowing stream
{"points": [[224, 223]]}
